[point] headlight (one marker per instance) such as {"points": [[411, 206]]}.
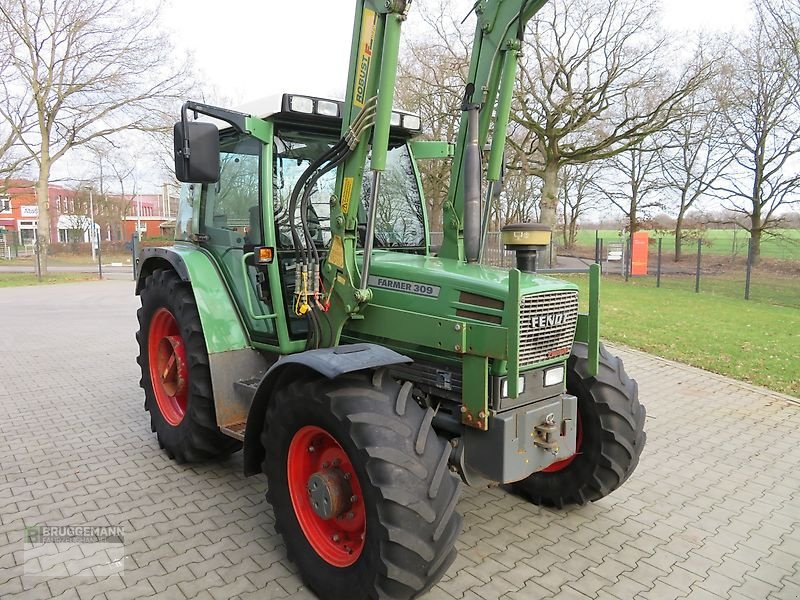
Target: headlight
{"points": [[329, 109], [412, 122], [395, 120], [554, 376], [301, 104], [504, 386]]}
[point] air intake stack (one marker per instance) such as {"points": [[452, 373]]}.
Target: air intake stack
{"points": [[526, 240]]}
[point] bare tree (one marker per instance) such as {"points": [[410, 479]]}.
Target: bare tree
{"points": [[91, 68], [631, 181], [578, 195], [761, 110], [16, 110], [586, 62], [695, 157], [431, 79]]}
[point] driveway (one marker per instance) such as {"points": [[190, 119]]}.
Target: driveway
{"points": [[712, 512]]}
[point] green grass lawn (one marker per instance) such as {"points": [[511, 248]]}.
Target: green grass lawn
{"points": [[18, 279], [785, 245], [69, 260], [766, 287], [753, 342]]}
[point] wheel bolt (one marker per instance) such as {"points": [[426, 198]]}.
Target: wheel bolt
{"points": [[347, 476], [336, 537], [325, 465], [350, 516], [353, 499], [311, 449]]}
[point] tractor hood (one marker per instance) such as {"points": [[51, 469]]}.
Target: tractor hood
{"points": [[446, 287]]}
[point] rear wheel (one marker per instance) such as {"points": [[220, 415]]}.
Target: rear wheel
{"points": [[610, 435], [175, 373], [360, 486]]}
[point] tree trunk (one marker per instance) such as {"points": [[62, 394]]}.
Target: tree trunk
{"points": [[755, 235], [678, 236], [43, 225], [633, 222], [548, 205]]}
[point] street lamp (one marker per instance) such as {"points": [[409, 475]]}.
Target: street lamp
{"points": [[92, 235], [91, 219]]}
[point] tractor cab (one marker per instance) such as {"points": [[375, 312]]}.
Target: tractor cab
{"points": [[248, 207]]}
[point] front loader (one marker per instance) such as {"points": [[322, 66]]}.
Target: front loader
{"points": [[304, 316]]}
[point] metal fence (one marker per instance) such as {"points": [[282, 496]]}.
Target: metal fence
{"points": [[703, 268], [721, 265]]}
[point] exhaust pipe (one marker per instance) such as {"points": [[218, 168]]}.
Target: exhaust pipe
{"points": [[472, 180]]}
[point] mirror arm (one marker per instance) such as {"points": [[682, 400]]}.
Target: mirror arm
{"points": [[234, 118]]}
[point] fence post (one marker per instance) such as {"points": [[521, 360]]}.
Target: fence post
{"points": [[627, 258], [658, 265], [596, 248], [749, 268], [134, 253], [601, 256], [697, 273], [100, 255], [38, 259], [501, 257]]}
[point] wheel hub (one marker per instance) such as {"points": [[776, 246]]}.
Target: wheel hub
{"points": [[326, 496], [171, 367], [329, 493], [169, 371]]}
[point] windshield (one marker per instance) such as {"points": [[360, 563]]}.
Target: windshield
{"points": [[399, 219]]}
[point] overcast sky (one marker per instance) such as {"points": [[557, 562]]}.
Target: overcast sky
{"points": [[250, 50], [247, 50]]}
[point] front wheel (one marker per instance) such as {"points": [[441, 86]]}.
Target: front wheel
{"points": [[610, 435], [175, 374], [360, 486]]}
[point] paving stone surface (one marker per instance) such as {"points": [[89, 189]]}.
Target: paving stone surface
{"points": [[713, 511]]}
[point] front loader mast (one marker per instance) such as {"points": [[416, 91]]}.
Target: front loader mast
{"points": [[368, 106]]}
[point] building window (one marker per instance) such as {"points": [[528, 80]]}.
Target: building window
{"points": [[58, 203], [5, 204]]}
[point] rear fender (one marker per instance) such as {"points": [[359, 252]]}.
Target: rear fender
{"points": [[222, 326], [329, 362]]}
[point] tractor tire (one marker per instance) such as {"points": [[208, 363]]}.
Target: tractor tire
{"points": [[175, 374], [611, 435], [394, 536]]}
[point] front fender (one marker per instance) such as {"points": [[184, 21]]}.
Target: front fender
{"points": [[222, 325], [329, 362]]}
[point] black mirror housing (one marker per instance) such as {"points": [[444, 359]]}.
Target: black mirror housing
{"points": [[196, 152]]}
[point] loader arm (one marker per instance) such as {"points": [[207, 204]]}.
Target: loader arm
{"points": [[369, 99]]}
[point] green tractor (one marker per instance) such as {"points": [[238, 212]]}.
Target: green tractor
{"points": [[304, 316]]}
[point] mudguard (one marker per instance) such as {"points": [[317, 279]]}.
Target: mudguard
{"points": [[329, 362], [222, 326]]}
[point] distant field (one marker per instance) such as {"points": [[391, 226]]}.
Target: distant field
{"points": [[723, 242], [753, 342]]}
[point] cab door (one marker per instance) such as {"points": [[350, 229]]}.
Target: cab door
{"points": [[231, 226]]}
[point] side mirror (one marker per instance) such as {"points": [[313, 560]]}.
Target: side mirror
{"points": [[196, 152]]}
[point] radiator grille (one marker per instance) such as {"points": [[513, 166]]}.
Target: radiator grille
{"points": [[547, 326]]}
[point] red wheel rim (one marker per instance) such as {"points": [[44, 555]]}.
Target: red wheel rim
{"points": [[168, 371], [563, 464], [338, 540]]}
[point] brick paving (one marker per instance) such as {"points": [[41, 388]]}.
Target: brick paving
{"points": [[712, 512]]}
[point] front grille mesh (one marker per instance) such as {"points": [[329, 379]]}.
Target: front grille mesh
{"points": [[545, 342]]}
